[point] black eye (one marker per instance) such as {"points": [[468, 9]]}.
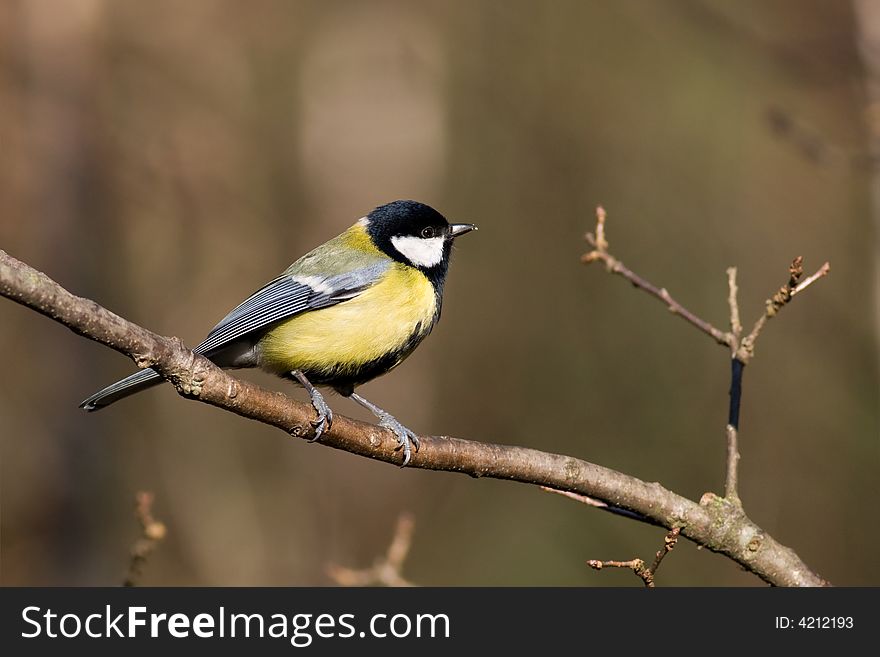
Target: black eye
{"points": [[428, 232]]}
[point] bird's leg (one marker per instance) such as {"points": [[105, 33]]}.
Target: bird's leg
{"points": [[325, 415], [405, 437]]}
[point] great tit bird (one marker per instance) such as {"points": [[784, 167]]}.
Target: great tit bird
{"points": [[348, 311]]}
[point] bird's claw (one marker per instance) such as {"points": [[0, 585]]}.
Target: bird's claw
{"points": [[324, 419], [406, 439], [321, 424]]}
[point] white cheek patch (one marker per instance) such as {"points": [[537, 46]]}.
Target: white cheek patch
{"points": [[317, 283], [420, 251]]}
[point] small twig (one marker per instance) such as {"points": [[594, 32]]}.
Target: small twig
{"points": [[736, 374], [599, 504], [387, 570], [615, 266], [824, 270], [600, 243], [735, 324], [637, 565], [730, 487], [669, 542], [401, 542], [583, 499], [152, 531], [775, 303]]}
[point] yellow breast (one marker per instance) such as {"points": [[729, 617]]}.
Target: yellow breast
{"points": [[380, 320]]}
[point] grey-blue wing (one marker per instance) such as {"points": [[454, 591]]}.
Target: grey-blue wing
{"points": [[286, 296], [279, 299]]}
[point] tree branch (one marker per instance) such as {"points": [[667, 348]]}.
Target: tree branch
{"points": [[388, 570], [731, 491], [735, 323], [742, 350], [638, 566], [613, 265], [711, 523], [152, 532], [746, 349], [604, 506]]}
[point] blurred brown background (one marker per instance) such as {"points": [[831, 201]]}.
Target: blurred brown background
{"points": [[167, 158]]}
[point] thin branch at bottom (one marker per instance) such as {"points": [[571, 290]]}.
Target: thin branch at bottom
{"points": [[638, 566], [387, 571], [152, 532], [599, 504]]}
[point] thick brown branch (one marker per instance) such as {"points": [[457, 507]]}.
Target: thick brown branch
{"points": [[712, 523]]}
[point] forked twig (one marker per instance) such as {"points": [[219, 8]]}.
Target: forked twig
{"points": [[637, 565], [387, 570], [794, 286], [613, 265], [742, 348]]}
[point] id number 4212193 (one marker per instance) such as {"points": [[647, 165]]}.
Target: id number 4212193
{"points": [[814, 623]]}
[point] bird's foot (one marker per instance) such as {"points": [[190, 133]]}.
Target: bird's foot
{"points": [[406, 438], [324, 418]]}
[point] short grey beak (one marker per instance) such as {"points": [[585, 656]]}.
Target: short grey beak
{"points": [[460, 229]]}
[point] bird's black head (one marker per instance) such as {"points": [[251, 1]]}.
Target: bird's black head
{"points": [[416, 235]]}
